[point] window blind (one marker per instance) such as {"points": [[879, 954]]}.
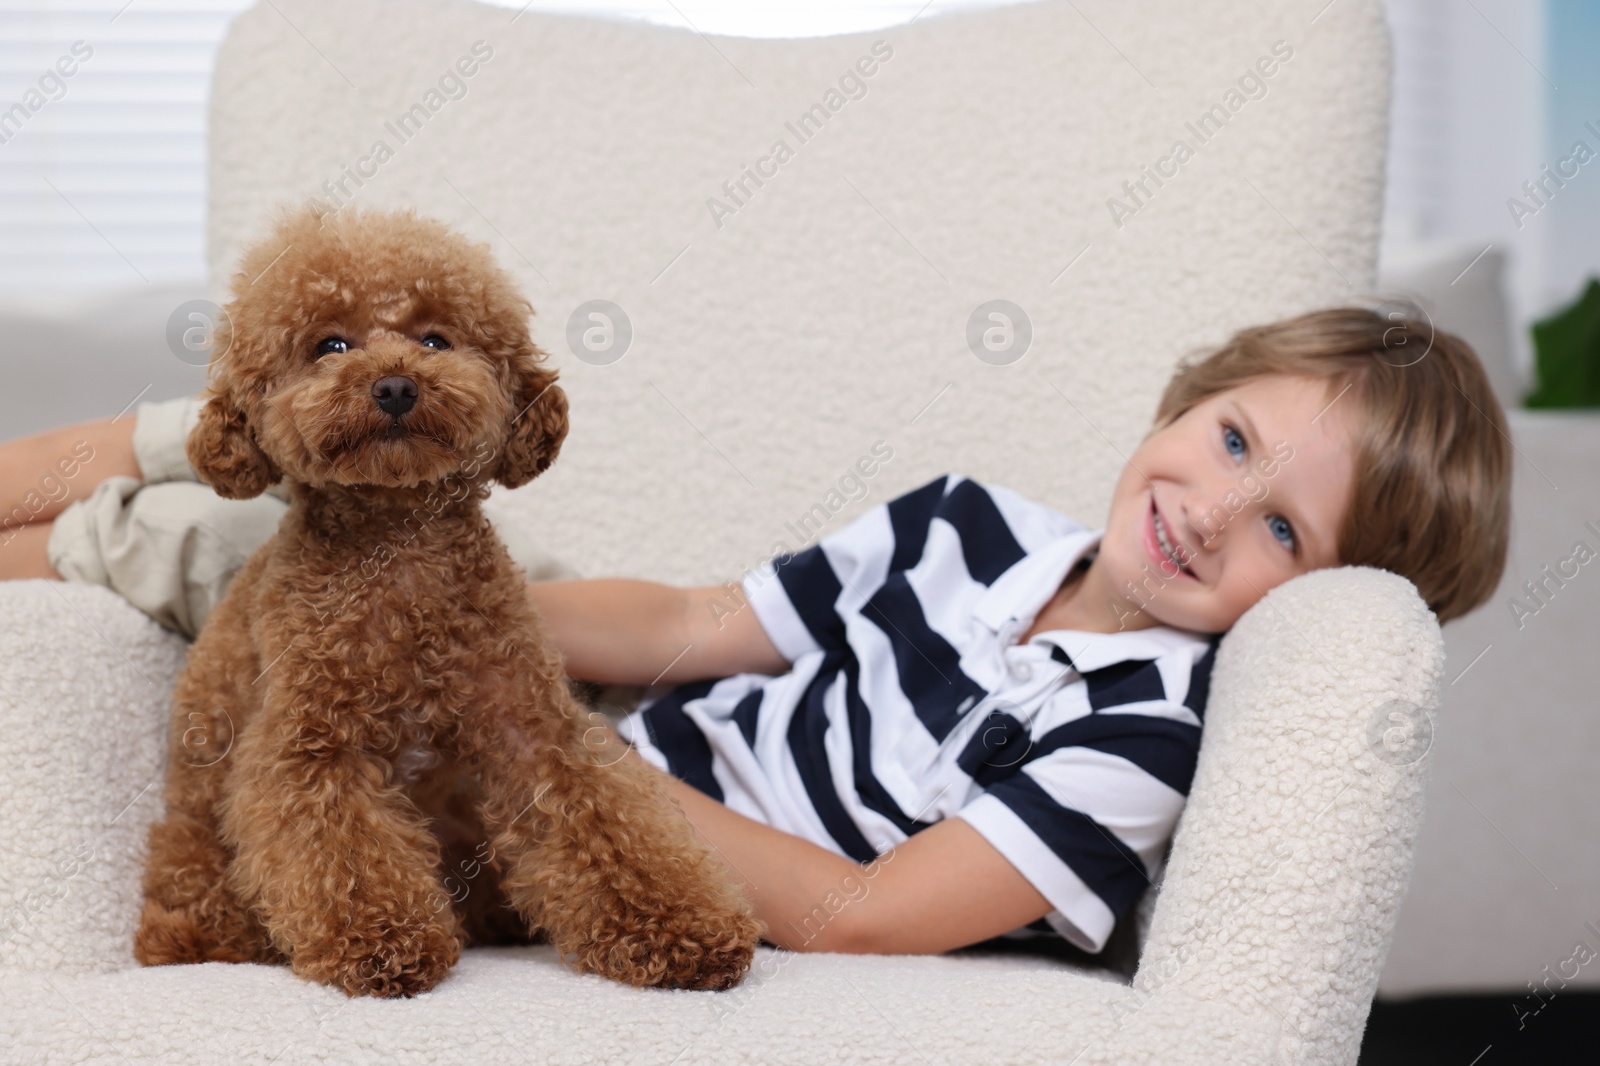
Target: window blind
{"points": [[102, 171]]}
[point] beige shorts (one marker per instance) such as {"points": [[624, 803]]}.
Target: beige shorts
{"points": [[170, 545]]}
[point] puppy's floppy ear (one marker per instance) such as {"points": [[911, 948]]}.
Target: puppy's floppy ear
{"points": [[538, 426], [223, 451]]}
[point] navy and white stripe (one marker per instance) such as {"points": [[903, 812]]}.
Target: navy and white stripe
{"points": [[909, 701]]}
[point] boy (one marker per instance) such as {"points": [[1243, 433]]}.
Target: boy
{"points": [[965, 715]]}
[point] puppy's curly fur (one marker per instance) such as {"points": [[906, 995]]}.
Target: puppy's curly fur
{"points": [[375, 757]]}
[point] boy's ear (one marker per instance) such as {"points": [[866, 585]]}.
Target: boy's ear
{"points": [[223, 451], [538, 426]]}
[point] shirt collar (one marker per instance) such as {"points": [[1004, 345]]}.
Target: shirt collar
{"points": [[1018, 595]]}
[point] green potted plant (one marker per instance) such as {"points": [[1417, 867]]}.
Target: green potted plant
{"points": [[1566, 348]]}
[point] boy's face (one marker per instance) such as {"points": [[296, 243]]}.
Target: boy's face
{"points": [[1251, 485]]}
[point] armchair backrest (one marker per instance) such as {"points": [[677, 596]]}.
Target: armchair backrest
{"points": [[978, 242]]}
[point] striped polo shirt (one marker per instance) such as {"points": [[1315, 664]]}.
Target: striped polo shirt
{"points": [[909, 700]]}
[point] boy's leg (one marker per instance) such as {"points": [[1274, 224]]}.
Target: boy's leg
{"points": [[42, 474], [170, 549], [23, 554], [159, 537]]}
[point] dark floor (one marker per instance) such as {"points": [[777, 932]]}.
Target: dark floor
{"points": [[1484, 1031]]}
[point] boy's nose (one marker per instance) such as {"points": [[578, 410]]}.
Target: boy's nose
{"points": [[1206, 520]]}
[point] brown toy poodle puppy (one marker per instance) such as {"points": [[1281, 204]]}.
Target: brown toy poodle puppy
{"points": [[404, 769]]}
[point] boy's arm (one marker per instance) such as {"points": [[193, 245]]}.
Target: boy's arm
{"points": [[789, 879], [622, 631], [945, 888]]}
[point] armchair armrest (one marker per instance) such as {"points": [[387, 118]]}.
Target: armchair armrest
{"points": [[85, 690], [1290, 861]]}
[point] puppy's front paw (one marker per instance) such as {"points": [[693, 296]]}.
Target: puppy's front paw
{"points": [[719, 964], [400, 961], [168, 936], [680, 948]]}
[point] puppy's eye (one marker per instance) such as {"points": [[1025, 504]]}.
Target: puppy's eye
{"points": [[331, 345], [438, 343]]}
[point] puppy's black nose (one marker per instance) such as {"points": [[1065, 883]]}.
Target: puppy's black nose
{"points": [[395, 396]]}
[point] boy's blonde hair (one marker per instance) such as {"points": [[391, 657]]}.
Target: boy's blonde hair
{"points": [[1432, 488]]}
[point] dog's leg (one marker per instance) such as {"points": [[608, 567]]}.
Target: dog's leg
{"points": [[338, 861], [190, 914], [597, 855]]}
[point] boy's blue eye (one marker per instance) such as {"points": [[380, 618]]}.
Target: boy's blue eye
{"points": [[1282, 529], [1277, 523], [1229, 435]]}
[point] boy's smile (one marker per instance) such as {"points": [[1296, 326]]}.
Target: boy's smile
{"points": [[1244, 491]]}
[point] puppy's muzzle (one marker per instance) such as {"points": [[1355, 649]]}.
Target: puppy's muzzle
{"points": [[394, 395]]}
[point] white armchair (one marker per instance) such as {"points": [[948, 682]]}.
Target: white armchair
{"points": [[775, 330]]}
